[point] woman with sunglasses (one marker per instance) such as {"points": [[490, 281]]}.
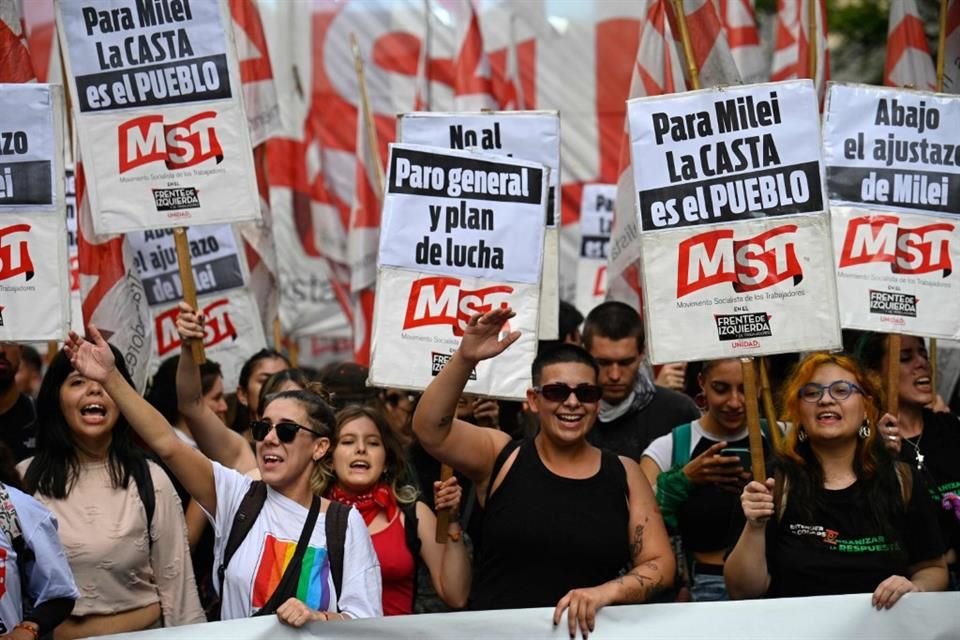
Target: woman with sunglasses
{"points": [[698, 488], [131, 562], [561, 517], [929, 441], [370, 474], [292, 435], [840, 516]]}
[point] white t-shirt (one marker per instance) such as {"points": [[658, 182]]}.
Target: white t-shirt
{"points": [[48, 576], [258, 564], [661, 449]]}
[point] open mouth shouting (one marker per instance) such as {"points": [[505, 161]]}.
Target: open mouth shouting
{"points": [[93, 413], [270, 460]]}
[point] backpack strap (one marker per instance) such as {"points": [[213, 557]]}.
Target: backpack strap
{"points": [[336, 530], [290, 580], [250, 507], [680, 453]]}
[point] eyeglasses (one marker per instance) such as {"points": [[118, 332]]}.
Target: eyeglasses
{"points": [[286, 431], [559, 391], [839, 390]]}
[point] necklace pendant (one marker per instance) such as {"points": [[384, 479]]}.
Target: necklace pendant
{"points": [[919, 460]]}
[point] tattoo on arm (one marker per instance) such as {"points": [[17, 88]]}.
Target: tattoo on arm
{"points": [[636, 544]]}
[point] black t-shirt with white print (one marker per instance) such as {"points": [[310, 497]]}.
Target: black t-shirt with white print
{"points": [[840, 550]]}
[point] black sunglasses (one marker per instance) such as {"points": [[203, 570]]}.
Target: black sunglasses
{"points": [[286, 431], [560, 391]]}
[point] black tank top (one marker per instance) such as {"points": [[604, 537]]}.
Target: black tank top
{"points": [[544, 535]]}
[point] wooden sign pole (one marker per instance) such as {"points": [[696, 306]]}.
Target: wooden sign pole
{"points": [[757, 463], [189, 287]]}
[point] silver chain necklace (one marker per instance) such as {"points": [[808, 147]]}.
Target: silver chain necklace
{"points": [[916, 446]]}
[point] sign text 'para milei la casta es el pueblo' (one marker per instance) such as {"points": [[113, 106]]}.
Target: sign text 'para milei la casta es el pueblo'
{"points": [[735, 239]]}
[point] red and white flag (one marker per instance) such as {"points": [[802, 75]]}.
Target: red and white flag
{"points": [[711, 52], [259, 249], [740, 24], [791, 55], [658, 70], [363, 238], [472, 81], [111, 293], [15, 63], [908, 55], [256, 74]]}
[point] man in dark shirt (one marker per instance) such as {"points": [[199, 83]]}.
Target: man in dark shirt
{"points": [[633, 411], [17, 414]]}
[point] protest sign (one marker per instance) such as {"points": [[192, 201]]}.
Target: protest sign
{"points": [[34, 295], [729, 269], [527, 135], [217, 264], [461, 234], [232, 332], [76, 302], [159, 113], [596, 223], [893, 176], [892, 148], [726, 155]]}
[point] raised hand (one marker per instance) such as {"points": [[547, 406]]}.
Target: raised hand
{"points": [[189, 324], [481, 337], [92, 360]]}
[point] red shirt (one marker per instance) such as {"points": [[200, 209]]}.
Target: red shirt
{"points": [[396, 567]]}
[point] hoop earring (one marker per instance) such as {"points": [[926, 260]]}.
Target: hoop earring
{"points": [[801, 435], [864, 431], [701, 401]]}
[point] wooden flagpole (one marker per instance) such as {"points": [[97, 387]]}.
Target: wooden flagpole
{"points": [[185, 265], [687, 44]]}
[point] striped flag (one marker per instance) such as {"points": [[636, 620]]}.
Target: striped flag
{"points": [[15, 63], [908, 56], [791, 55], [740, 24], [472, 81], [951, 67]]}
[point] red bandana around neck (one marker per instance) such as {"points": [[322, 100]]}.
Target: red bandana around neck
{"points": [[369, 504]]}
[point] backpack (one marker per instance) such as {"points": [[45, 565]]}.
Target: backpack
{"points": [[250, 507]]}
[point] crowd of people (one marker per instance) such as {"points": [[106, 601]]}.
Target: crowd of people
{"points": [[308, 495]]}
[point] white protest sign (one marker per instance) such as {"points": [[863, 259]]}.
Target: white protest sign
{"points": [[215, 257], [726, 155], [159, 113], [34, 293], [746, 289], [596, 223], [461, 234], [892, 149], [892, 156], [233, 332], [76, 302], [728, 267], [527, 135], [896, 271]]}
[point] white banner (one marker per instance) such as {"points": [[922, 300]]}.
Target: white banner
{"points": [[892, 148], [726, 155], [159, 113], [527, 135], [34, 292], [76, 302], [233, 332], [918, 616], [214, 254], [746, 289], [896, 271], [419, 318], [596, 223]]}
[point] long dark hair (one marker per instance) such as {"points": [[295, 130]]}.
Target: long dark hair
{"points": [[395, 470], [878, 484], [55, 467]]}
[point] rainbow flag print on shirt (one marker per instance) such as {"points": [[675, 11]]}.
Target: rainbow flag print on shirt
{"points": [[312, 588]]}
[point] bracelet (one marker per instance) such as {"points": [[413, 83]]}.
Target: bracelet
{"points": [[32, 627]]}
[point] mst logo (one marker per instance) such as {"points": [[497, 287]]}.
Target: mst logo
{"points": [[178, 145], [880, 238], [440, 300], [218, 327], [754, 263], [15, 260]]}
